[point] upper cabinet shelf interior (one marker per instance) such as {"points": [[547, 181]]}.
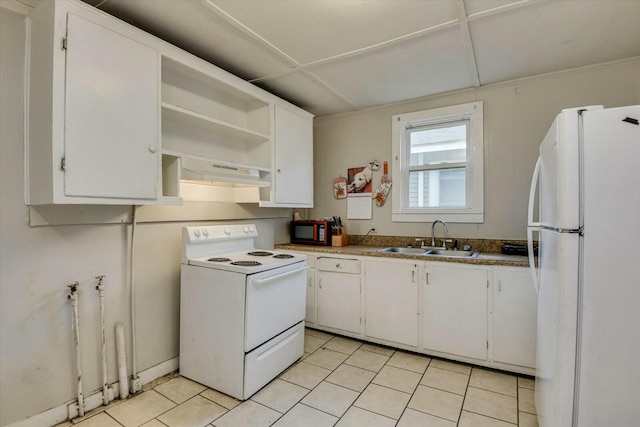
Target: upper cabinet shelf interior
{"points": [[204, 116]]}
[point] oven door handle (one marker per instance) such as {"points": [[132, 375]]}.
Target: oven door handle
{"points": [[260, 282]]}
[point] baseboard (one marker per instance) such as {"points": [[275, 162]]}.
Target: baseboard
{"points": [[93, 400]]}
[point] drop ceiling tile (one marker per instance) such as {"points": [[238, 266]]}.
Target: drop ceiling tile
{"points": [[411, 69], [477, 6], [553, 36], [195, 28], [301, 89], [312, 30]]}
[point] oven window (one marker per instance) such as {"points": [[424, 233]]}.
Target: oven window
{"points": [[303, 232]]}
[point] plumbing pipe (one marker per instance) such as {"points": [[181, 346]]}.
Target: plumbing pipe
{"points": [[134, 373], [105, 383], [122, 361], [73, 297]]}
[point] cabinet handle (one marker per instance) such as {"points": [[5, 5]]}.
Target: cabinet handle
{"points": [[500, 285], [338, 265], [413, 276], [320, 283], [310, 282], [427, 277], [278, 170], [152, 148]]}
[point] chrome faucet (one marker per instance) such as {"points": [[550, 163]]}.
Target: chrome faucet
{"points": [[433, 230]]}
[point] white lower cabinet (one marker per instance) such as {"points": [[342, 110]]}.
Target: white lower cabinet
{"points": [[338, 293], [310, 316], [454, 310], [391, 301], [514, 317]]}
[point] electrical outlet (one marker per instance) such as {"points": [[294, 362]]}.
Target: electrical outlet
{"points": [[135, 385], [374, 229]]}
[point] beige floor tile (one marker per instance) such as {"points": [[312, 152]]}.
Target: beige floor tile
{"points": [[312, 343], [331, 398], [318, 334], [527, 400], [367, 360], [526, 383], [412, 362], [94, 412], [220, 398], [248, 414], [351, 377], [451, 366], [100, 420], [412, 418], [356, 417], [64, 424], [527, 420], [153, 423], [437, 402], [494, 405], [469, 419], [343, 345], [180, 389], [494, 381], [397, 379], [442, 379], [141, 408], [305, 375], [280, 395], [302, 415], [304, 356], [383, 401], [328, 359], [387, 351], [195, 412]]}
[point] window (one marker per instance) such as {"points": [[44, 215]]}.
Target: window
{"points": [[438, 170]]}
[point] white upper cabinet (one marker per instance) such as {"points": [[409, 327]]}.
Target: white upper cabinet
{"points": [[111, 117], [293, 178], [93, 122], [117, 116]]}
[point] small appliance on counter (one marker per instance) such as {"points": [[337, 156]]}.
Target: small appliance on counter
{"points": [[312, 232]]}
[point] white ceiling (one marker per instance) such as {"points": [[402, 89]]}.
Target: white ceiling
{"points": [[333, 56]]}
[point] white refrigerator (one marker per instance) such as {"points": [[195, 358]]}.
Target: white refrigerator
{"points": [[587, 180]]}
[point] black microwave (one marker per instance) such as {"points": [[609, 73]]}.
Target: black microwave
{"points": [[311, 232]]}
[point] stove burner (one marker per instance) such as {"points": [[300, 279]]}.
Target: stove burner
{"points": [[283, 256], [260, 253], [219, 259], [246, 263]]}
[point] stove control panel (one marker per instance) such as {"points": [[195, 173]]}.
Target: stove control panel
{"points": [[220, 232]]}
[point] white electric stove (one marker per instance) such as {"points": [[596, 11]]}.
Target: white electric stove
{"points": [[242, 309]]}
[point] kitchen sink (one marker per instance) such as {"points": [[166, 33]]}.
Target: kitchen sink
{"points": [[454, 254], [430, 251], [403, 250]]}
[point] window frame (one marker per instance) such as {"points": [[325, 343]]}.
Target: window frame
{"points": [[473, 212]]}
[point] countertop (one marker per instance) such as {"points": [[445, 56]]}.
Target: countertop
{"points": [[485, 258]]}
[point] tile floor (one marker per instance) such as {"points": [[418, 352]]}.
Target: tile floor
{"points": [[339, 382]]}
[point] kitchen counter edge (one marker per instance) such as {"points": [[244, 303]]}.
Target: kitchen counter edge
{"points": [[484, 258]]}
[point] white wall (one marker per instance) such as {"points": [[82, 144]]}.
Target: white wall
{"points": [[37, 364], [516, 118]]}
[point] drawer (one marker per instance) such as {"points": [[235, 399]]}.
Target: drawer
{"points": [[338, 265]]}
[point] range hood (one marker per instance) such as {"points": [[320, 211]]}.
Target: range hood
{"points": [[221, 172]]}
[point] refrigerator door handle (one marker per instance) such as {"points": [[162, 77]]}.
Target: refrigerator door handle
{"points": [[533, 226], [532, 194]]}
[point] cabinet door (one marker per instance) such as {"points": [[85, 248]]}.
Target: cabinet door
{"points": [[391, 294], [514, 317], [111, 118], [310, 316], [338, 302], [455, 310], [293, 159]]}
